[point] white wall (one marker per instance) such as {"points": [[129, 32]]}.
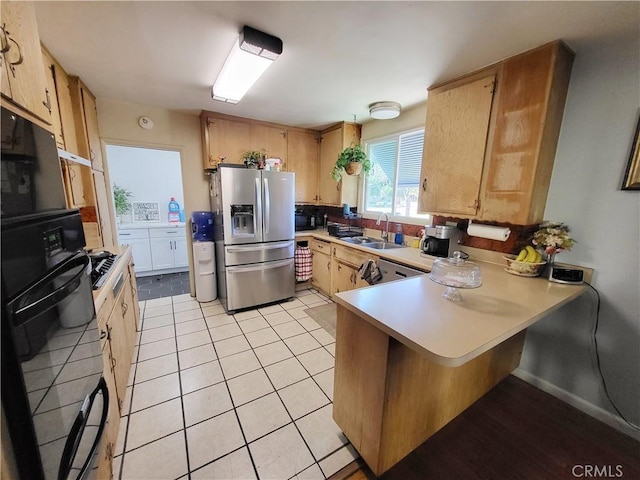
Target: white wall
{"points": [[597, 132], [151, 175]]}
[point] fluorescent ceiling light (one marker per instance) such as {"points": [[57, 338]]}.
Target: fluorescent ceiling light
{"points": [[251, 55], [384, 110]]}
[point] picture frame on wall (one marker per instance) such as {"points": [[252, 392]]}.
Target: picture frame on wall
{"points": [[632, 175], [145, 211]]}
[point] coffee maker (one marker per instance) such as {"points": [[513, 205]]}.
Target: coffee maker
{"points": [[438, 239]]}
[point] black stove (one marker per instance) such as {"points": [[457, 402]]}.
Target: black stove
{"points": [[101, 263]]}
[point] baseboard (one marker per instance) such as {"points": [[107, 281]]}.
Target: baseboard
{"points": [[581, 404]]}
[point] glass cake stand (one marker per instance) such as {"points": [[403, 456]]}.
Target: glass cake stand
{"points": [[455, 273]]}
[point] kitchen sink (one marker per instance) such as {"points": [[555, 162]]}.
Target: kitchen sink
{"points": [[382, 245], [374, 243]]}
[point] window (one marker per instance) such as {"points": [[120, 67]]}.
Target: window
{"points": [[393, 183]]}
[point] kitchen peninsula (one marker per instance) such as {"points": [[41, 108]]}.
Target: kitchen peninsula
{"points": [[409, 361]]}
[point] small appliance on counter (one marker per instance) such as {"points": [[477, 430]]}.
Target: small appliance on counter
{"points": [[438, 239], [305, 221]]}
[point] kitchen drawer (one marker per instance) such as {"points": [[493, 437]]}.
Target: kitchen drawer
{"points": [[320, 246], [167, 232], [352, 256], [133, 233]]}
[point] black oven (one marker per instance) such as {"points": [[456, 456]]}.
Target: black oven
{"points": [[29, 168], [54, 398]]}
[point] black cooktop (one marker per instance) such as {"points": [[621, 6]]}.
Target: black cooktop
{"points": [[101, 263]]}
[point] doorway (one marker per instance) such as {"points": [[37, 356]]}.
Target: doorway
{"points": [[147, 192]]}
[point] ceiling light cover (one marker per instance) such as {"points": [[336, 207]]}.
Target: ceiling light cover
{"points": [[384, 110], [251, 55]]}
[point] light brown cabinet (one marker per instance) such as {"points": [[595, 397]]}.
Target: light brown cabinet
{"points": [[270, 140], [488, 154], [86, 122], [23, 80], [302, 158], [332, 141], [118, 317], [102, 206], [54, 117], [72, 173], [321, 252], [345, 265]]}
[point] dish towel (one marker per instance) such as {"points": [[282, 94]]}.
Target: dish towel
{"points": [[304, 263], [370, 272]]}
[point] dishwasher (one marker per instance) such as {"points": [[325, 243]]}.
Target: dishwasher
{"points": [[392, 271]]}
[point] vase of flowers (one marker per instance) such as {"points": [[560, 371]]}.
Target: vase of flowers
{"points": [[554, 238]]}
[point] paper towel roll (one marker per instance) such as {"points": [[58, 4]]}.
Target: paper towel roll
{"points": [[488, 231]]}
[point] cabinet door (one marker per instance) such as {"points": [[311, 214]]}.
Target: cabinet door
{"points": [[103, 206], [180, 253], [134, 293], [321, 278], [272, 141], [141, 250], [302, 158], [23, 58], [454, 147], [228, 140], [74, 185], [161, 253], [342, 277], [91, 123], [65, 104], [54, 117], [333, 142]]}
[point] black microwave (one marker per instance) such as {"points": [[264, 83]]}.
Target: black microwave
{"points": [[30, 168], [305, 221]]}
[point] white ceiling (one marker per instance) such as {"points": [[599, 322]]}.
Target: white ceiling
{"points": [[338, 57]]}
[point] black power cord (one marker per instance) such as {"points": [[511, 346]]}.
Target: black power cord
{"points": [[602, 379]]}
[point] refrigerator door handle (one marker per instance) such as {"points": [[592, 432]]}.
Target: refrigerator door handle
{"points": [[267, 208], [264, 246], [258, 205], [260, 266]]}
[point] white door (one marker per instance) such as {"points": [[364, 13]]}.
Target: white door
{"points": [[180, 255], [161, 253]]}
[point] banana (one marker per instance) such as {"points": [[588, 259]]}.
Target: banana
{"points": [[531, 254], [538, 257], [522, 255]]}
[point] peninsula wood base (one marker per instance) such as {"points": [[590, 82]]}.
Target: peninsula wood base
{"points": [[388, 399]]}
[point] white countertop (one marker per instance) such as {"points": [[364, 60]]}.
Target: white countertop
{"points": [[137, 226], [451, 333]]}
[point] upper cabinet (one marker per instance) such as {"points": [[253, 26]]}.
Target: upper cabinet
{"points": [[332, 141], [302, 158], [23, 80], [491, 137], [86, 122], [226, 138], [61, 106]]}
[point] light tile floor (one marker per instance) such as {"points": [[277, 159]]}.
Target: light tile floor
{"points": [[221, 396]]}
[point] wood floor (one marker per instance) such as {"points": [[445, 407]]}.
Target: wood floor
{"points": [[517, 431]]}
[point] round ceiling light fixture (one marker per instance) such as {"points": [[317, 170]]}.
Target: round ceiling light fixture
{"points": [[384, 110]]}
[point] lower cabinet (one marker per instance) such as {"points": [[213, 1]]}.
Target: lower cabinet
{"points": [[118, 319], [168, 251], [345, 265], [321, 252], [156, 249], [138, 239]]}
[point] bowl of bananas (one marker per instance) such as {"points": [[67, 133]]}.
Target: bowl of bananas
{"points": [[528, 263]]}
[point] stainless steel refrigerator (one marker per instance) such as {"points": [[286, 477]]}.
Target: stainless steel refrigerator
{"points": [[254, 229]]}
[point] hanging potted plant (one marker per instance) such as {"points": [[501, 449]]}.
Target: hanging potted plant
{"points": [[352, 160], [121, 197]]}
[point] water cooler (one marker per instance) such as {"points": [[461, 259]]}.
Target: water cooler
{"points": [[204, 260]]}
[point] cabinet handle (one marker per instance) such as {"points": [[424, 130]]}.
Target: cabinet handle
{"points": [[47, 104], [103, 334], [170, 245], [328, 265], [17, 62], [92, 155], [125, 307], [424, 184], [113, 364]]}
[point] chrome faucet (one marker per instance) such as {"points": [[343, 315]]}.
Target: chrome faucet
{"points": [[385, 234]]}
